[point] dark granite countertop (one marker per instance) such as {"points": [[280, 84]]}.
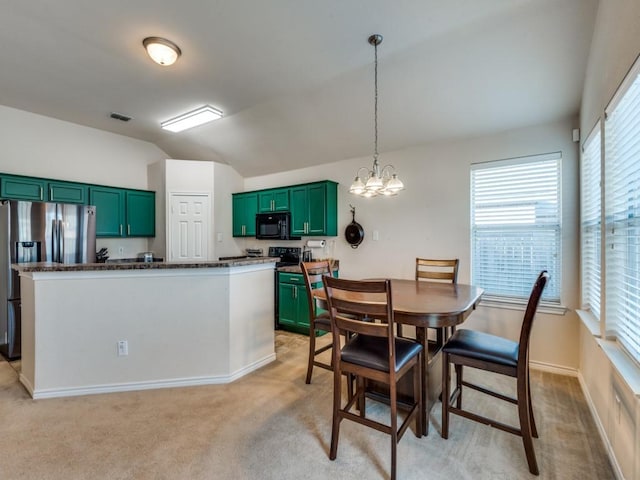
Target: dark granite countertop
{"points": [[80, 267]]}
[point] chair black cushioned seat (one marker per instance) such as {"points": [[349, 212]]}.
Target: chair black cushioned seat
{"points": [[373, 352], [483, 346]]}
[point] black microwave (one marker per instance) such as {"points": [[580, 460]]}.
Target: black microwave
{"points": [[273, 226]]}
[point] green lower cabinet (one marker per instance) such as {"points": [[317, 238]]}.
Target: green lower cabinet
{"points": [[293, 307]]}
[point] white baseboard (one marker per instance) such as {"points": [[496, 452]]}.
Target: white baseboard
{"points": [[557, 369], [594, 413], [149, 385]]}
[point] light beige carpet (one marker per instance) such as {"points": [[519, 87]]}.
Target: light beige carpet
{"points": [[270, 425]]}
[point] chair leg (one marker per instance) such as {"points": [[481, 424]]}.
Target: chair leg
{"points": [[446, 387], [524, 413], [394, 428], [361, 396], [534, 430], [459, 385], [337, 403], [417, 392], [312, 353]]}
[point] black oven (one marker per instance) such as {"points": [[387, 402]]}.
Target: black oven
{"points": [[273, 226]]}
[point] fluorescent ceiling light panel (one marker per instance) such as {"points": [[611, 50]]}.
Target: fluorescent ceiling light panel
{"points": [[192, 119]]}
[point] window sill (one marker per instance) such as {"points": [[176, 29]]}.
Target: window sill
{"points": [[521, 305], [589, 321], [625, 366]]}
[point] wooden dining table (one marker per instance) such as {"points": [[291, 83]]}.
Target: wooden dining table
{"points": [[429, 306]]}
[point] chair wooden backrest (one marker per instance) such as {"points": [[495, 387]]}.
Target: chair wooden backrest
{"points": [[529, 314], [313, 273], [437, 270], [361, 307]]}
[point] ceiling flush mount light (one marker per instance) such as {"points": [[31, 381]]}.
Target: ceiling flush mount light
{"points": [[162, 51], [379, 181], [192, 119]]}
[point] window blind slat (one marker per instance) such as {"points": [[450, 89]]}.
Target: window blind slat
{"points": [[515, 219], [590, 238], [622, 213]]}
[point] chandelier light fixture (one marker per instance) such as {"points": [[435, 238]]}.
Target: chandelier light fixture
{"points": [[379, 181]]}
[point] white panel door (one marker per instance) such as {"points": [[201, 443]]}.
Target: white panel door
{"points": [[189, 227]]}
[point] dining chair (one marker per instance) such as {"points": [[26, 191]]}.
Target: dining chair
{"points": [[318, 320], [498, 355], [373, 353], [436, 271]]}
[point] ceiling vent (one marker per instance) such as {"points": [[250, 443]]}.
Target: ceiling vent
{"points": [[121, 117]]}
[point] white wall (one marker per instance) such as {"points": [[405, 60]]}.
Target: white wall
{"points": [[189, 176], [612, 396], [431, 219], [41, 146]]}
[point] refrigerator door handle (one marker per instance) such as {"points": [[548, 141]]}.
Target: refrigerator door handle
{"points": [[55, 238], [60, 241]]}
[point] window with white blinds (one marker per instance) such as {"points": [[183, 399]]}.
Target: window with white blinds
{"points": [[515, 226], [622, 214], [590, 237]]}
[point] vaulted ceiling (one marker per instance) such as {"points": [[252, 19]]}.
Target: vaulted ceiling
{"points": [[294, 78]]}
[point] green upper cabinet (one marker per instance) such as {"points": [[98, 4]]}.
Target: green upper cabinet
{"points": [[110, 211], [141, 213], [276, 200], [23, 188], [245, 207], [314, 209], [123, 213], [65, 192], [14, 187]]}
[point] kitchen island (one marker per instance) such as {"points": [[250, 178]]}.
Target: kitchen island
{"points": [[108, 327]]}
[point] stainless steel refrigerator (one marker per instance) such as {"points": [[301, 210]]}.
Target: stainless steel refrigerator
{"points": [[38, 232]]}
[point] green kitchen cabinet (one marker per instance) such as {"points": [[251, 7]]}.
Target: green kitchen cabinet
{"points": [[15, 187], [23, 188], [140, 213], [123, 213], [314, 209], [66, 192], [293, 309], [110, 211], [276, 200], [245, 207]]}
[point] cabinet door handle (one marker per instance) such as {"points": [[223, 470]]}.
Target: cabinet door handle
{"points": [[50, 193], [295, 292], [120, 229], [128, 229], [40, 193]]}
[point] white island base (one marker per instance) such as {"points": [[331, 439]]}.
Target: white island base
{"points": [[182, 326]]}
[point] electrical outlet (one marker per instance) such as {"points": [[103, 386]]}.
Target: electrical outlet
{"points": [[376, 235], [121, 250], [219, 236], [123, 348]]}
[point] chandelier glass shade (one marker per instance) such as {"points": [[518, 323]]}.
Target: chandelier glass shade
{"points": [[377, 181]]}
